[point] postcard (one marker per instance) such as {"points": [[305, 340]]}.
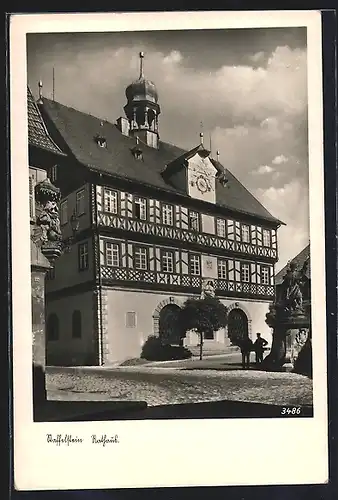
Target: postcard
{"points": [[168, 246]]}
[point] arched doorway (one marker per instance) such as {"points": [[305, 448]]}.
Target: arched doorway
{"points": [[169, 324], [237, 326]]}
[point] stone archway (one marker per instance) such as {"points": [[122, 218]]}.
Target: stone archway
{"points": [[165, 320], [239, 305], [169, 324], [238, 327], [239, 321]]}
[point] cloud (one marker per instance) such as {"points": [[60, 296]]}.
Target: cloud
{"points": [[279, 159], [292, 201], [237, 131], [263, 169], [257, 57], [174, 57]]}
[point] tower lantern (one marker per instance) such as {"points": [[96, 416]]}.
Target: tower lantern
{"points": [[142, 108]]}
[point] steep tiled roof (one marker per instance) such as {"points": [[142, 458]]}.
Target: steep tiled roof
{"points": [[299, 261], [79, 129], [37, 133]]}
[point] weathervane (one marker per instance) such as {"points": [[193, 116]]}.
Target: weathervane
{"points": [[141, 54]]}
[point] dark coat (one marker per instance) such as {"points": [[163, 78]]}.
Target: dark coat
{"points": [[259, 344], [246, 346]]}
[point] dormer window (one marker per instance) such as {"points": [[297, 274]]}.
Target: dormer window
{"points": [[101, 141], [137, 153]]}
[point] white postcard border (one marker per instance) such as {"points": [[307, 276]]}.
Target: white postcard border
{"points": [[164, 453]]}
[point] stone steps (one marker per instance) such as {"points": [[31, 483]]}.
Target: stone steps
{"points": [[214, 349]]}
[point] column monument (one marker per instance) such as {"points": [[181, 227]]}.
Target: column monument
{"points": [[46, 247], [290, 318]]}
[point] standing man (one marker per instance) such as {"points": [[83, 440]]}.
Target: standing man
{"points": [[246, 348], [259, 345]]}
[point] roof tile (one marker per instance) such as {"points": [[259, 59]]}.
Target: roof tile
{"points": [[37, 133]]}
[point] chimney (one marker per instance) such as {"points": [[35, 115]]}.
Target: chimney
{"points": [[123, 125]]}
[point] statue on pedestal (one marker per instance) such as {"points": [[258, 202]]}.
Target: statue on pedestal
{"points": [[291, 298], [49, 222], [47, 232], [208, 289], [289, 317]]}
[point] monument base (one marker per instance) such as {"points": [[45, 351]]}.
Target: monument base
{"points": [[291, 333], [287, 367]]}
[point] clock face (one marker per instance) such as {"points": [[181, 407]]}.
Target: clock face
{"points": [[202, 184]]}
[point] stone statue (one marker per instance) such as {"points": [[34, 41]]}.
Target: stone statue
{"points": [[304, 281], [208, 290], [46, 232], [49, 222], [291, 297]]}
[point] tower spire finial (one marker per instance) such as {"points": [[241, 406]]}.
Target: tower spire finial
{"points": [[141, 64], [40, 92], [201, 133]]}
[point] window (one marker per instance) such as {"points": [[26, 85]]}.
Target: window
{"points": [[265, 276], [110, 201], [195, 265], [245, 275], [167, 262], [76, 325], [245, 233], [130, 319], [101, 141], [140, 258], [50, 275], [31, 198], [168, 215], [221, 228], [83, 256], [209, 335], [266, 238], [140, 208], [222, 269], [53, 173], [112, 254], [52, 327], [194, 222], [64, 212], [80, 202]]}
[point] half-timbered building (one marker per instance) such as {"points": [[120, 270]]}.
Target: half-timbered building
{"points": [[155, 222]]}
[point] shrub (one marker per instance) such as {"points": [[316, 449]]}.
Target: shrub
{"points": [[205, 316], [155, 350]]}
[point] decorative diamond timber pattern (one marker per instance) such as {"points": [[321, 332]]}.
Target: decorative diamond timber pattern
{"points": [[174, 233], [185, 281], [115, 274]]}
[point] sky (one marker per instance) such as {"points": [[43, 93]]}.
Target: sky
{"points": [[248, 89]]}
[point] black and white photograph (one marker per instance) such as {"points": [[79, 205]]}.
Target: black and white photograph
{"points": [[174, 224]]}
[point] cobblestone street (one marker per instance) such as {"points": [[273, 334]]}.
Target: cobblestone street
{"points": [[165, 385]]}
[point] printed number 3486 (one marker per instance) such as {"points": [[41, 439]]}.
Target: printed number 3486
{"points": [[294, 410]]}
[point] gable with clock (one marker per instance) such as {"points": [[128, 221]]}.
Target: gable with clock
{"points": [[201, 178]]}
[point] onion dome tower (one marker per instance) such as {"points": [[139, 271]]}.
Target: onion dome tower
{"points": [[142, 109]]}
